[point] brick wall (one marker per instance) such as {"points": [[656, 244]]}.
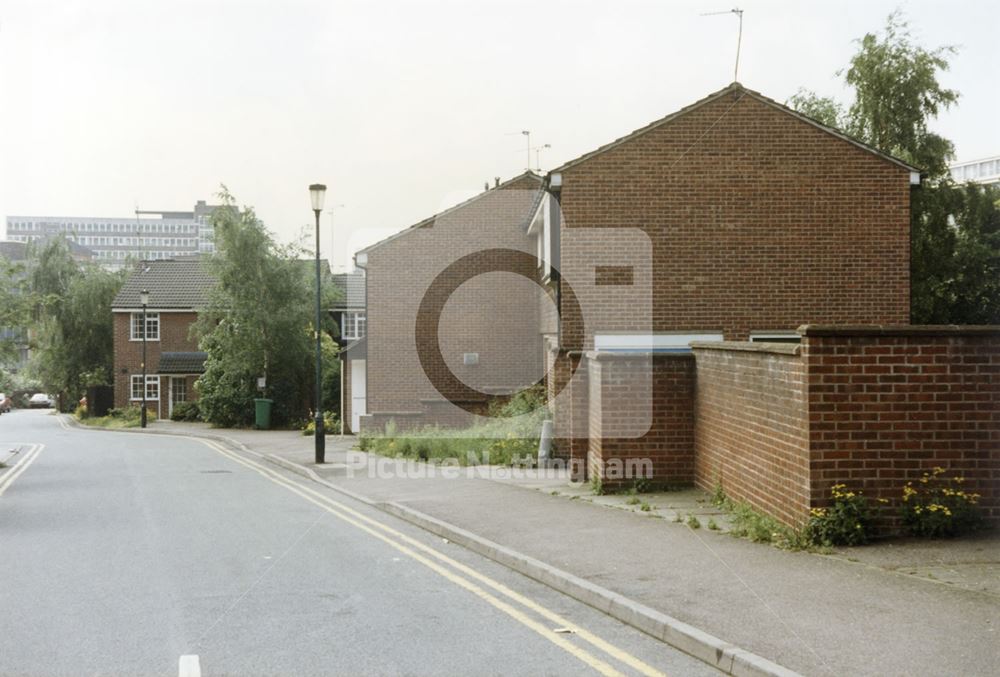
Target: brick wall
{"points": [[751, 426], [757, 221], [174, 337], [887, 404], [640, 410], [871, 407], [495, 315]]}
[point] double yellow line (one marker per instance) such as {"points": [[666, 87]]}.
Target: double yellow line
{"points": [[8, 477], [501, 597]]}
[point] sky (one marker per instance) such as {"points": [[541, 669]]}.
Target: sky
{"points": [[401, 108]]}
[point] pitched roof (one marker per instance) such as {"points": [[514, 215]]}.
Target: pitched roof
{"points": [[171, 285], [182, 363], [741, 91], [431, 219], [352, 288]]}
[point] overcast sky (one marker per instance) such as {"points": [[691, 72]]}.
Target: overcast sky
{"points": [[402, 108]]}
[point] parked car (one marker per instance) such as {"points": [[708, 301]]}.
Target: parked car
{"points": [[5, 404], [41, 401]]}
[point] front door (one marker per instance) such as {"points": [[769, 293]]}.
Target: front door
{"points": [[178, 392]]}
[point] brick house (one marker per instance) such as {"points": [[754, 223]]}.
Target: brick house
{"points": [[485, 325], [746, 220], [724, 298], [177, 290], [744, 277]]}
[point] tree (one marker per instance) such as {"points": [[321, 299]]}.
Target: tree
{"points": [[16, 303], [896, 92], [820, 108], [74, 326], [259, 323], [954, 265]]}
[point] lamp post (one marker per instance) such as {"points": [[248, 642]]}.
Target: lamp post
{"points": [[317, 192], [144, 299]]}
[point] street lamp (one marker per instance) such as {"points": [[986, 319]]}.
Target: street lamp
{"points": [[144, 299], [317, 192]]}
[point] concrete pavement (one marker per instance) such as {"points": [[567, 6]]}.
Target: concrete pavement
{"points": [[844, 613]]}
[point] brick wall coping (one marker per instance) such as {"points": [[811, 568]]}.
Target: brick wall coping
{"points": [[900, 330], [599, 355], [749, 346], [395, 413]]}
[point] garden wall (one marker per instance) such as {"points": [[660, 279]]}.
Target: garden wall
{"points": [[887, 404], [640, 412], [751, 426], [870, 407]]}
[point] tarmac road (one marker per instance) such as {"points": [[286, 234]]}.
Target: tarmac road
{"points": [[128, 554]]}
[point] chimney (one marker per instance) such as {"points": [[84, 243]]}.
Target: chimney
{"points": [[486, 186], [497, 179]]}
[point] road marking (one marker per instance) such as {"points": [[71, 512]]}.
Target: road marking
{"points": [[188, 666], [27, 459], [361, 521], [339, 509]]}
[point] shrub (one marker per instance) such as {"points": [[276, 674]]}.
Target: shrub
{"points": [[129, 417], [937, 506], [331, 425], [186, 411], [848, 521]]}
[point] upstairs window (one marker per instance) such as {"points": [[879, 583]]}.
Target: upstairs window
{"points": [[152, 332], [354, 326]]}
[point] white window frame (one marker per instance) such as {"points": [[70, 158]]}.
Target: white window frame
{"points": [[354, 325], [152, 386], [152, 322], [667, 342]]}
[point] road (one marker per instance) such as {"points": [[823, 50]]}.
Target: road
{"points": [[136, 554]]}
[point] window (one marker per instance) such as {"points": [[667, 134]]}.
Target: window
{"points": [[152, 327], [354, 325], [152, 387], [178, 387]]}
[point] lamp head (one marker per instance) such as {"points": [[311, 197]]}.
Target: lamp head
{"points": [[317, 192]]}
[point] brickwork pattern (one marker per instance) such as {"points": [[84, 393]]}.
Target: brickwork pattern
{"points": [[751, 428], [885, 407], [757, 221], [496, 316], [629, 393], [174, 337]]}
